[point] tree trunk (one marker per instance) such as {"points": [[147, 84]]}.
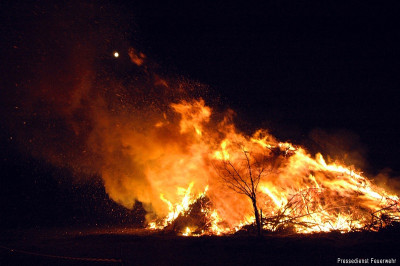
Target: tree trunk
{"points": [[257, 216]]}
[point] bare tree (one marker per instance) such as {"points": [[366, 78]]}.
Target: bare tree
{"points": [[244, 174]]}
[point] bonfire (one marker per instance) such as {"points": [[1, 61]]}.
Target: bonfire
{"points": [[295, 191]]}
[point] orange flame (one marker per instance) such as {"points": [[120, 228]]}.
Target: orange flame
{"points": [[299, 192]]}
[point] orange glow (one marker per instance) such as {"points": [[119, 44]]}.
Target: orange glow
{"points": [[136, 57], [298, 192]]}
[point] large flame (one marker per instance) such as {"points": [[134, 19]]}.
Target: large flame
{"points": [[297, 191]]}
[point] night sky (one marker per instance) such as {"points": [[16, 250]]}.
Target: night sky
{"points": [[305, 71], [292, 68]]}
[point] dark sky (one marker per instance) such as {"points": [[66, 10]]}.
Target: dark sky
{"points": [[291, 67]]}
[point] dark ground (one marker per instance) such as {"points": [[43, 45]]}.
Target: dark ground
{"points": [[119, 246]]}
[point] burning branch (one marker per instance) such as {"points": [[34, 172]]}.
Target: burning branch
{"points": [[384, 217], [304, 209], [244, 174]]}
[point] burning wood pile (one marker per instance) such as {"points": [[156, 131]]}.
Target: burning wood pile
{"points": [[280, 188], [301, 214]]}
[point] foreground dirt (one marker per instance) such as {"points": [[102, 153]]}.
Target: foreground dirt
{"points": [[122, 246]]}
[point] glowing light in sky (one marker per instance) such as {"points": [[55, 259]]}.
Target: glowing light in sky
{"points": [[116, 54]]}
